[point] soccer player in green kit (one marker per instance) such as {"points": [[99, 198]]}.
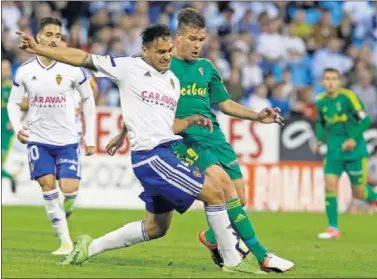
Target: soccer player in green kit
{"points": [[342, 119], [6, 127], [202, 86]]}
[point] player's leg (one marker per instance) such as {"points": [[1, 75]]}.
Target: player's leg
{"points": [[358, 171], [152, 227], [68, 169], [42, 169], [332, 171], [6, 145]]}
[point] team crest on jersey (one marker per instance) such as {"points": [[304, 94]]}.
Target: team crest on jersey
{"points": [[31, 167], [201, 70], [59, 79], [196, 172], [338, 106], [172, 83], [324, 109]]}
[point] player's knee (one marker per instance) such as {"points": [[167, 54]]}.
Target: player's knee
{"points": [[154, 231], [358, 192], [215, 194], [47, 187]]}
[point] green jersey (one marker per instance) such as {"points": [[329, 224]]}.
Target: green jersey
{"points": [[201, 86], [339, 119], [6, 87]]}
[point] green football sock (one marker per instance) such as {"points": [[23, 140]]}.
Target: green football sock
{"points": [[69, 202], [242, 225], [6, 174], [331, 208], [369, 194]]}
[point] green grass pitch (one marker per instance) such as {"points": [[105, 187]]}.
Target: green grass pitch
{"points": [[28, 240]]}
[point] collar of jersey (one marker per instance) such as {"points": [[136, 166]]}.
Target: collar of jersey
{"points": [[44, 67], [153, 69]]}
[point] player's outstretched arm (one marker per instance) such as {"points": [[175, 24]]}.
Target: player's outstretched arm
{"points": [[266, 116], [181, 124], [67, 55]]}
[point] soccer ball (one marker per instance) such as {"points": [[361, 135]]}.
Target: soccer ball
{"points": [[240, 245]]}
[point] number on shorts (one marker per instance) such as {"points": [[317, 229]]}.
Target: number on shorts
{"points": [[33, 153]]}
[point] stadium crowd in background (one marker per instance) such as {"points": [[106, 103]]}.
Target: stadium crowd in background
{"points": [[269, 53]]}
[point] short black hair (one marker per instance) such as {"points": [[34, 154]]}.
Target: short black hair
{"points": [[155, 31], [47, 21], [331, 70], [191, 17]]}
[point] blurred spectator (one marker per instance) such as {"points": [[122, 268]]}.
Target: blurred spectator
{"points": [[300, 27], [270, 82], [252, 75], [324, 30], [270, 46], [289, 91], [305, 106], [330, 57], [249, 23], [294, 46], [277, 99], [12, 13], [366, 92], [76, 39], [344, 31], [228, 24], [222, 65], [259, 100]]}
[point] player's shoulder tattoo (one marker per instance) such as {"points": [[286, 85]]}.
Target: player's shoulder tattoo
{"points": [[88, 62]]}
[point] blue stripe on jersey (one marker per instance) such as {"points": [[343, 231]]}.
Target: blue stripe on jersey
{"points": [[52, 65], [81, 82], [112, 59]]}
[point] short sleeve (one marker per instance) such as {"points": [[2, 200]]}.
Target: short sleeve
{"points": [[113, 67], [217, 89], [82, 84], [18, 89]]}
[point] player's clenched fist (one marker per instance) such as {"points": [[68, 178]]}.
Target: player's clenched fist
{"points": [[23, 135], [27, 43]]}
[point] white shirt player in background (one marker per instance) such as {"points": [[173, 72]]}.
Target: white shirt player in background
{"points": [[149, 96], [50, 131]]}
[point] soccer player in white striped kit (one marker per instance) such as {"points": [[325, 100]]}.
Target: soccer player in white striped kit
{"points": [[149, 94], [50, 131]]}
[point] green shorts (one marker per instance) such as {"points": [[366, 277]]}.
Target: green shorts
{"points": [[356, 170], [203, 157]]}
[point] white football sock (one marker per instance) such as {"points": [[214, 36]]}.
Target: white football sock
{"points": [[218, 221], [56, 214], [125, 236], [71, 199]]}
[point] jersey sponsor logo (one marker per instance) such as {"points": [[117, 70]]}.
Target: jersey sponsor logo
{"points": [[193, 90], [159, 99], [172, 83], [336, 118], [201, 70], [59, 79], [48, 101]]}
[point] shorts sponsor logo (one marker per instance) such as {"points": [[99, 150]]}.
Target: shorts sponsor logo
{"points": [[68, 161]]}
